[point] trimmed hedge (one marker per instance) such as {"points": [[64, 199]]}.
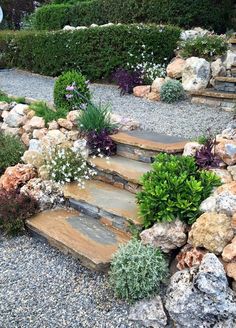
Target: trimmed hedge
{"points": [[97, 52], [211, 14]]}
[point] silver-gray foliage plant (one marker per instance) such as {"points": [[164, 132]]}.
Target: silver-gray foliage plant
{"points": [[137, 270], [172, 91]]}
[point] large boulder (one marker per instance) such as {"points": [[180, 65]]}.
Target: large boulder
{"points": [[196, 74], [201, 297], [149, 313], [212, 231], [175, 68], [165, 235], [33, 158]]}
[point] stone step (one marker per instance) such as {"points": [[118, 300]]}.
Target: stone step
{"points": [[81, 236], [121, 172], [225, 84], [113, 206], [211, 97], [144, 145]]}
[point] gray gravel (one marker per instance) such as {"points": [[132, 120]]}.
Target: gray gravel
{"points": [[180, 119], [42, 288]]}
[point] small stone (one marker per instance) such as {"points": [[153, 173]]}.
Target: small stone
{"points": [[33, 157], [196, 74], [73, 135], [153, 96], [231, 270], [4, 106], [175, 68], [73, 116], [53, 138], [20, 109], [189, 257], [223, 174], [226, 150], [66, 124], [157, 84], [53, 125], [30, 114], [165, 235], [232, 170], [40, 133], [191, 148], [141, 90], [15, 120], [25, 138], [36, 122], [212, 231], [229, 252], [217, 68], [35, 145], [230, 59], [149, 313]]}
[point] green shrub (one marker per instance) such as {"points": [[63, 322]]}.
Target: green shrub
{"points": [[171, 91], [96, 52], [42, 110], [68, 79], [174, 188], [15, 208], [137, 271], [95, 118], [11, 150], [208, 14], [208, 47]]}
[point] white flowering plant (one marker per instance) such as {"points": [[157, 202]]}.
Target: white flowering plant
{"points": [[66, 165], [147, 66]]}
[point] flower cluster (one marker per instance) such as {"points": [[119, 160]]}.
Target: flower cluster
{"points": [[66, 165], [75, 97]]}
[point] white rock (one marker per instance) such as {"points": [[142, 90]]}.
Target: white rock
{"points": [[196, 74], [35, 145], [191, 148], [68, 28], [190, 34], [20, 109], [217, 68], [157, 84], [81, 27], [230, 59]]}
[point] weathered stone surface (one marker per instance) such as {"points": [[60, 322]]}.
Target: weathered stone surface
{"points": [[43, 172], [208, 205], [16, 176], [232, 170], [20, 109], [217, 68], [191, 148], [229, 252], [149, 313], [72, 135], [141, 90], [153, 96], [14, 119], [223, 174], [226, 150], [25, 139], [212, 231], [30, 114], [66, 124], [231, 270], [73, 116], [40, 133], [190, 34], [157, 84], [189, 257], [35, 145], [124, 123], [166, 235], [4, 106], [229, 132], [36, 122], [53, 125], [53, 137], [196, 74], [175, 68], [230, 59], [200, 297], [33, 157]]}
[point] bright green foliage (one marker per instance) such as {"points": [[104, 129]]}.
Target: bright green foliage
{"points": [[4, 97], [137, 271], [208, 47], [209, 14], [172, 91], [41, 109], [65, 80], [95, 118], [174, 188], [96, 52], [11, 151]]}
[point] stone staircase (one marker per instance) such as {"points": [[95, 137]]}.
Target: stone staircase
{"points": [[99, 217], [223, 94]]}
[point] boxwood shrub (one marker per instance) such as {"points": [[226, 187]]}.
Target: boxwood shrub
{"points": [[211, 14], [96, 52]]}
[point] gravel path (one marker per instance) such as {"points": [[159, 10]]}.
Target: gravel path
{"points": [[40, 287], [183, 118]]}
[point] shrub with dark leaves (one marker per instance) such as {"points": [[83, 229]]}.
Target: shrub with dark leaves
{"points": [[15, 208], [127, 80], [205, 157], [101, 143]]}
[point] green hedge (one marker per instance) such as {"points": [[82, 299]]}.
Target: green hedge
{"points": [[96, 51], [211, 14]]}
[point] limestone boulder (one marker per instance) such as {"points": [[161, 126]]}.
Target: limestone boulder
{"points": [[193, 33], [14, 119], [40, 133], [196, 74], [141, 90], [201, 297], [175, 68], [153, 96], [191, 148], [35, 145], [157, 84], [66, 124], [53, 138], [165, 235], [212, 231], [16, 176], [35, 122], [73, 116], [34, 158], [149, 313], [25, 139], [226, 150], [217, 68], [53, 125], [189, 257], [230, 59]]}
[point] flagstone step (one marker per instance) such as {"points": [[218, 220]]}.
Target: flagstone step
{"points": [[83, 237], [225, 83], [211, 97], [113, 206], [144, 145], [121, 172]]}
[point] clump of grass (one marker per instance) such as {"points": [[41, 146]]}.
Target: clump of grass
{"points": [[4, 97], [41, 109]]}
